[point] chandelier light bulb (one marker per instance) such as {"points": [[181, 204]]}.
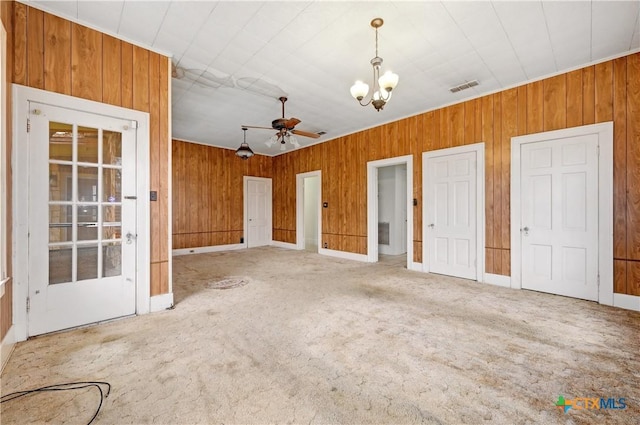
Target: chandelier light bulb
{"points": [[388, 81], [359, 90]]}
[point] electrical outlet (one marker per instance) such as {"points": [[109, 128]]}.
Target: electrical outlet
{"points": [[241, 240], [326, 245]]}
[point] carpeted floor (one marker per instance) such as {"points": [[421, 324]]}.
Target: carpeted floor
{"points": [[307, 339]]}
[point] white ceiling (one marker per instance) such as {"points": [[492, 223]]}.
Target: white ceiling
{"points": [[313, 51]]}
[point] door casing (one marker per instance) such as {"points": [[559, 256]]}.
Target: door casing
{"points": [[20, 159], [605, 202], [478, 148], [372, 206]]}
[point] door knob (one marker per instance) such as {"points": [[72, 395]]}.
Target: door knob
{"points": [[432, 225], [525, 230], [130, 237]]}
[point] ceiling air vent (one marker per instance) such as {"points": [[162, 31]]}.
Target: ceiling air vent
{"points": [[464, 86]]}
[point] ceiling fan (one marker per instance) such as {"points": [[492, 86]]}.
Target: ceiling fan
{"points": [[286, 130]]}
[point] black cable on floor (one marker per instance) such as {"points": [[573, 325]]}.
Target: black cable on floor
{"points": [[64, 387]]}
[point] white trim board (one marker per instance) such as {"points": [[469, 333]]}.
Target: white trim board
{"points": [[629, 302], [343, 254], [205, 249], [6, 347], [478, 148], [497, 280], [161, 302], [372, 205], [605, 202], [21, 97], [285, 245]]}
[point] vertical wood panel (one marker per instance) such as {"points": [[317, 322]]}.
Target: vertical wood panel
{"points": [[140, 79], [86, 63], [633, 278], [555, 103], [509, 129], [604, 91], [470, 113], [111, 70], [35, 48], [57, 54], [497, 175], [588, 95], [535, 110], [127, 74], [487, 136], [506, 262], [20, 44], [488, 260], [165, 159], [457, 123], [153, 79], [633, 159], [574, 98], [619, 276], [620, 158], [522, 111]]}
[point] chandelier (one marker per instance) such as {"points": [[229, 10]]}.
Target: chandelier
{"points": [[244, 151], [382, 85], [282, 137]]}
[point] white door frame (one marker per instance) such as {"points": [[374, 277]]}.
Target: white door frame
{"points": [[605, 202], [372, 206], [20, 160], [245, 207], [478, 148], [300, 239]]}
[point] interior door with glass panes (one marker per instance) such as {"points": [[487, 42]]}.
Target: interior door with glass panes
{"points": [[82, 218]]}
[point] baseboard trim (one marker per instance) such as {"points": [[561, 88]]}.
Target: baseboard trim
{"points": [[343, 254], [205, 249], [416, 267], [286, 245], [6, 347], [628, 302], [161, 302], [498, 280]]}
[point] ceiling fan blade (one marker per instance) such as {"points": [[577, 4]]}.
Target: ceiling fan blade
{"points": [[253, 126], [292, 122], [305, 134]]}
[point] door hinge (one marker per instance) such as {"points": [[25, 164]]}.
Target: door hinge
{"points": [[28, 125], [598, 281], [598, 150], [28, 304]]}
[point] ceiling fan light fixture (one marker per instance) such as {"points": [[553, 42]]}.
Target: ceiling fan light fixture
{"points": [[244, 151], [382, 85]]}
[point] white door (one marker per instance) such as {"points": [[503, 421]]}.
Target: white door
{"points": [[82, 218], [450, 207], [559, 184], [258, 212]]}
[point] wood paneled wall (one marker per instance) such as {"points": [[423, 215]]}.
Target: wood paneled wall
{"points": [[54, 54], [609, 91], [6, 302], [208, 193]]}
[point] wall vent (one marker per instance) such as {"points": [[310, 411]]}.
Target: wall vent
{"points": [[464, 86]]}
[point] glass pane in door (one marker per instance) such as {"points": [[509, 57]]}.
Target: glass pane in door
{"points": [[85, 180]]}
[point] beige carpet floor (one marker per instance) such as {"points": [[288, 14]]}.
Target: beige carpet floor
{"points": [[315, 340]]}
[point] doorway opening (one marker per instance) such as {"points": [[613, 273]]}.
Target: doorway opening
{"points": [[308, 212], [389, 210]]}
